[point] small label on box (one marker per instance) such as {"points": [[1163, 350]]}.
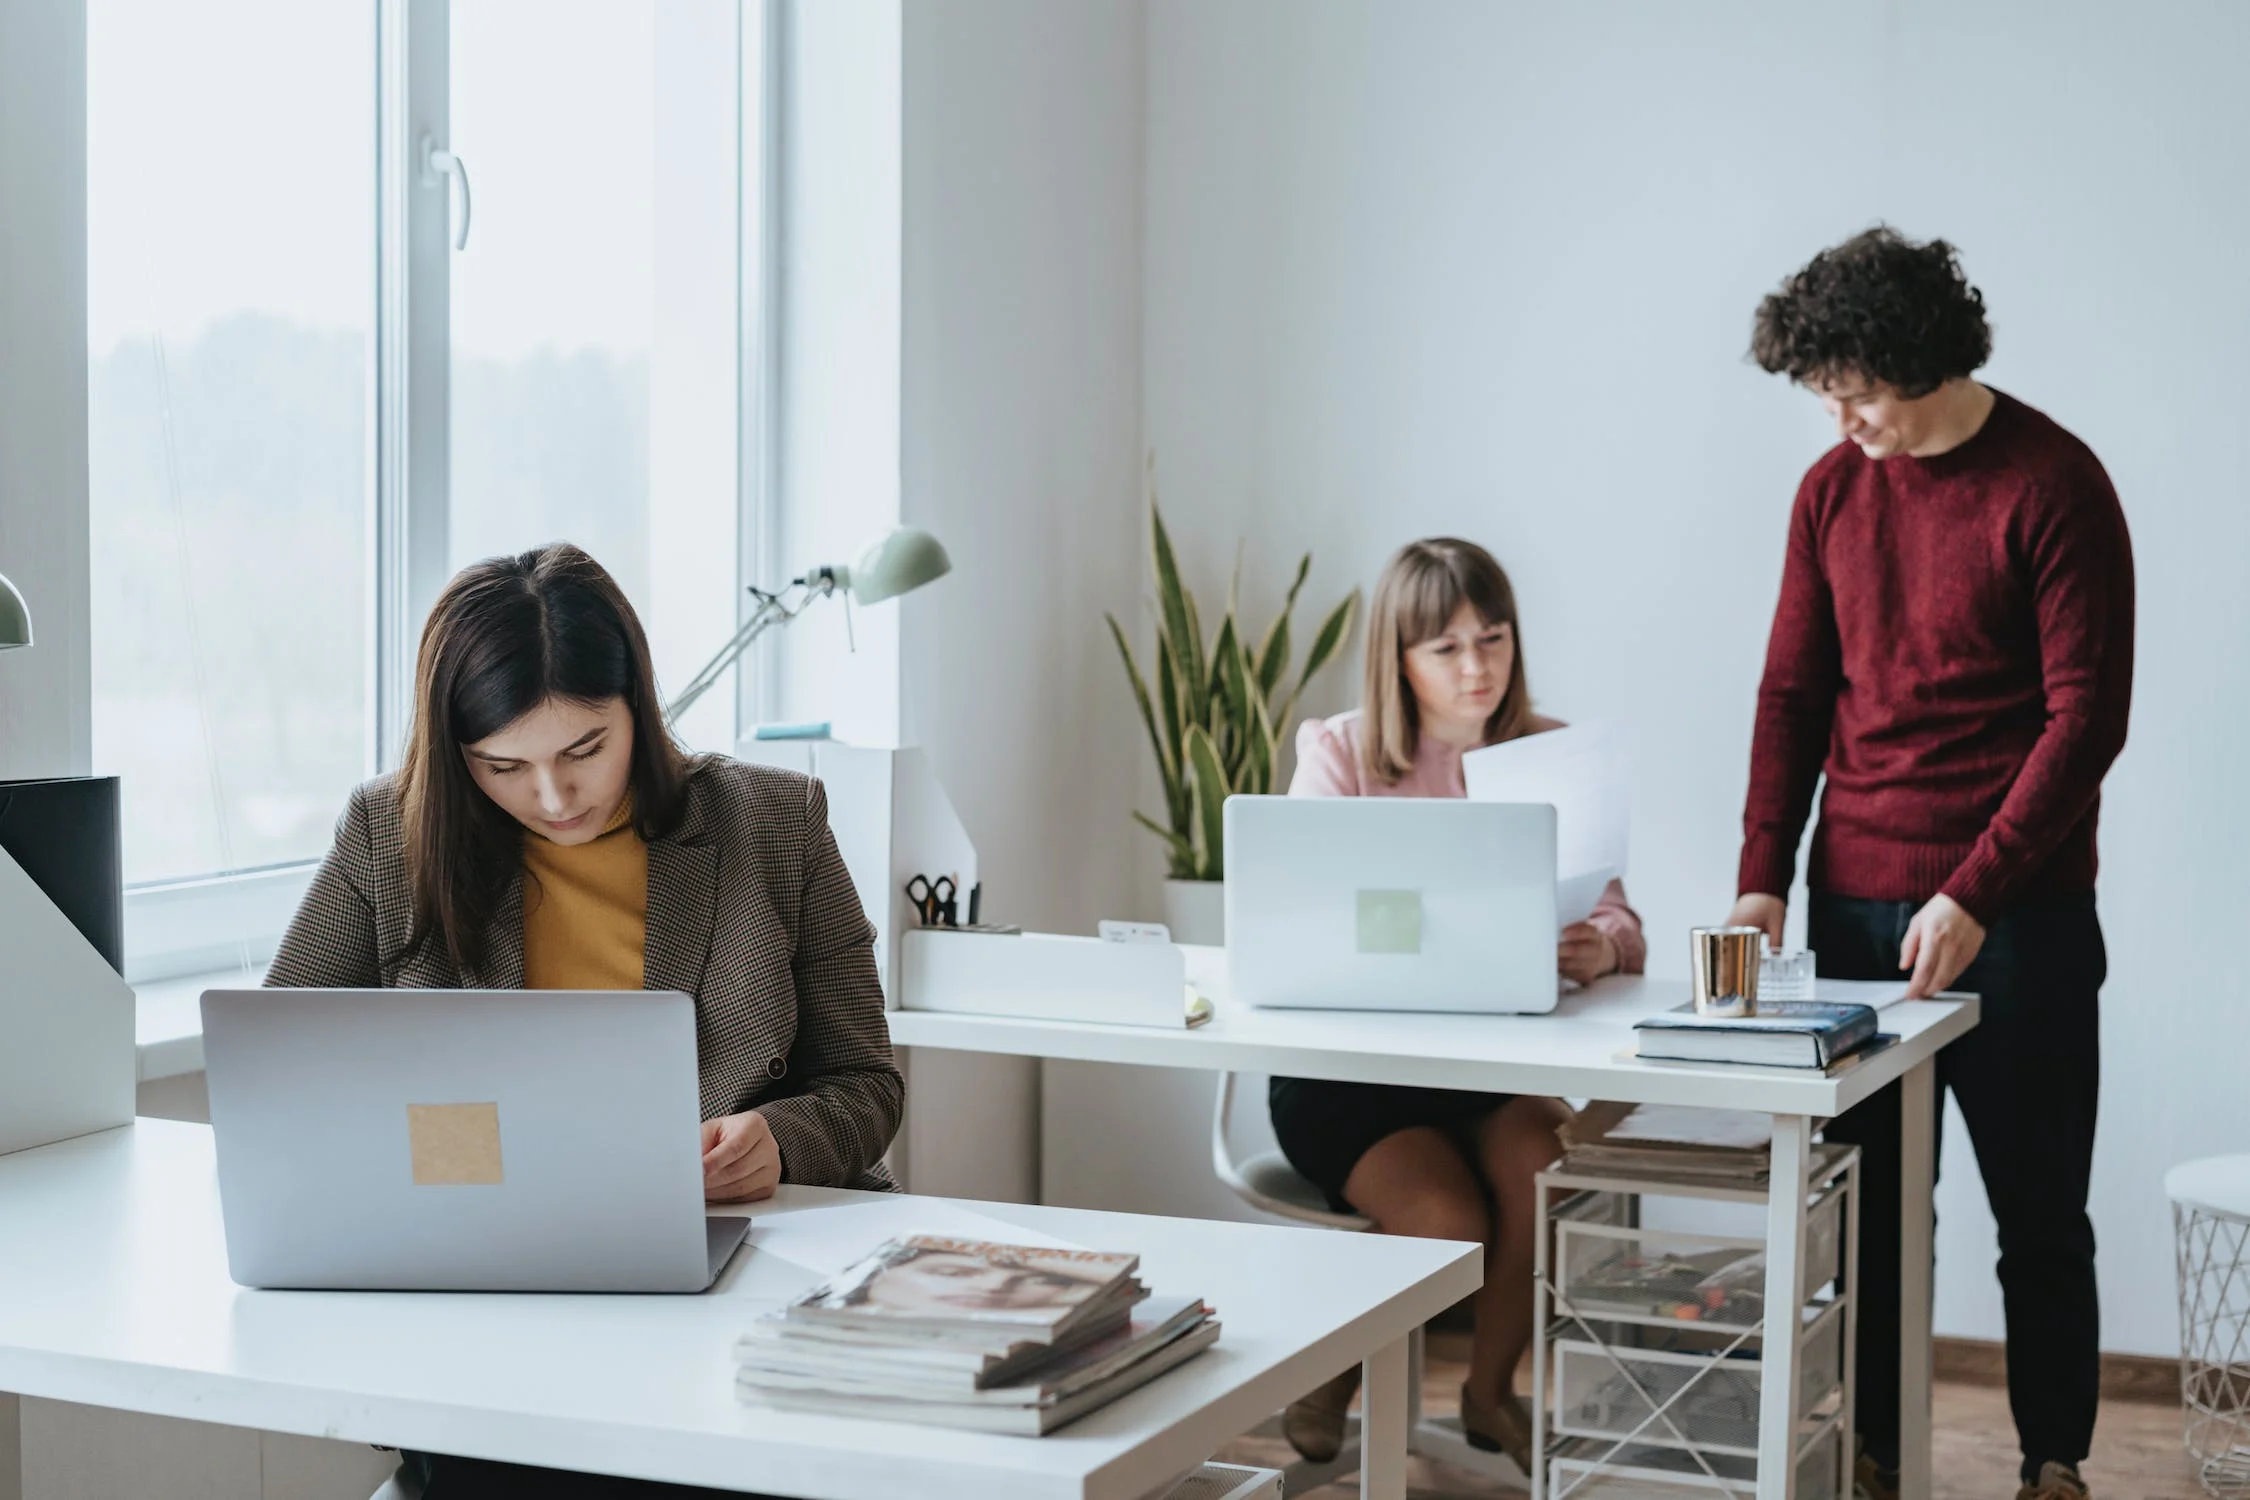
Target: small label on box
{"points": [[1134, 932]]}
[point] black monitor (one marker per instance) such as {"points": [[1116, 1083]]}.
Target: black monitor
{"points": [[64, 832]]}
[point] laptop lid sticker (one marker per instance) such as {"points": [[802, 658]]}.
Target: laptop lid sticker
{"points": [[454, 1145], [1390, 922]]}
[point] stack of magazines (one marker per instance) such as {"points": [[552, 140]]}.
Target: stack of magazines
{"points": [[962, 1333], [1713, 1145], [1709, 1286]]}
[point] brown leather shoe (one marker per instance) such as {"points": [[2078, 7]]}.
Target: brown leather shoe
{"points": [[1314, 1422], [1501, 1426], [2056, 1482], [1869, 1482]]}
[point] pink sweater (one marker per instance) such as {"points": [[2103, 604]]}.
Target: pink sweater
{"points": [[1328, 765]]}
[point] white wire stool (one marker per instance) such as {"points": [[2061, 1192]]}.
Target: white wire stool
{"points": [[2211, 1227]]}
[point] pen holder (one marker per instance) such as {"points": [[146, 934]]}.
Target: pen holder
{"points": [[1724, 963]]}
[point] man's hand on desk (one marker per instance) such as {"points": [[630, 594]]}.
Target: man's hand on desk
{"points": [[1585, 953], [1759, 910], [1941, 941], [741, 1159]]}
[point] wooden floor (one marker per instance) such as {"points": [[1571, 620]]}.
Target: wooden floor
{"points": [[2137, 1450]]}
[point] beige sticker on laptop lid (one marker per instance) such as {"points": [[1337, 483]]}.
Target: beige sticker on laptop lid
{"points": [[454, 1144], [1390, 922]]}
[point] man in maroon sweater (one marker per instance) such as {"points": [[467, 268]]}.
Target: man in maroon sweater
{"points": [[1953, 651]]}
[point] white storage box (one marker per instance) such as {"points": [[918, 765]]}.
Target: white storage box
{"points": [[1227, 1482], [1610, 1270], [1044, 976], [1594, 1397], [1649, 1473]]}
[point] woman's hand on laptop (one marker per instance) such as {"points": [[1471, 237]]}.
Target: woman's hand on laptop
{"points": [[741, 1159], [1585, 953]]}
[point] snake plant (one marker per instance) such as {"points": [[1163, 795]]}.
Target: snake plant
{"points": [[1217, 712]]}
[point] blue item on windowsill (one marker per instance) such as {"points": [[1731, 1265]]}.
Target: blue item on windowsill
{"points": [[817, 730]]}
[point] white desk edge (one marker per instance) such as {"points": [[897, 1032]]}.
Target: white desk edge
{"points": [[1563, 1055], [199, 1368]]}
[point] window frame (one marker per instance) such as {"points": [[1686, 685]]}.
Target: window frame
{"points": [[233, 921]]}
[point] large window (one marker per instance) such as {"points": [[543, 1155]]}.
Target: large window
{"points": [[374, 290], [231, 319]]}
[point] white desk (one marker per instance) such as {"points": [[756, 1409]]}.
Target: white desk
{"points": [[1583, 1050], [114, 1292]]}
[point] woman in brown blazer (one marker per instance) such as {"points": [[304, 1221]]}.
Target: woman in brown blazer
{"points": [[545, 832]]}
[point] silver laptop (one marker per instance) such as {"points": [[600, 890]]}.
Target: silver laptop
{"points": [[461, 1140], [1391, 903]]}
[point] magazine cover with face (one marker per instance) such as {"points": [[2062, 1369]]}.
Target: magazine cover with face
{"points": [[928, 1279]]}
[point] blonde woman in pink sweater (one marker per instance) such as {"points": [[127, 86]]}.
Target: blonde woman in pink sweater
{"points": [[1445, 675]]}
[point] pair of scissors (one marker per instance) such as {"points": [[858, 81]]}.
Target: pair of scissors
{"points": [[934, 900]]}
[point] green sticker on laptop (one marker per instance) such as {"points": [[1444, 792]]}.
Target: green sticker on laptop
{"points": [[1390, 921]]}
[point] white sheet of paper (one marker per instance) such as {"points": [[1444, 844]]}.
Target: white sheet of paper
{"points": [[1580, 771], [1576, 896], [827, 1240]]}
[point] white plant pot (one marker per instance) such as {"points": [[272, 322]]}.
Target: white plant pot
{"points": [[1196, 911]]}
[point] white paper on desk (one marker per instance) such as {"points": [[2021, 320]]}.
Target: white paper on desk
{"points": [[827, 1240], [1581, 772]]}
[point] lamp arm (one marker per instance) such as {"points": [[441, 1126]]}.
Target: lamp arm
{"points": [[772, 610]]}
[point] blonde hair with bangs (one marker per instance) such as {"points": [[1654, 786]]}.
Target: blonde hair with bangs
{"points": [[1421, 589]]}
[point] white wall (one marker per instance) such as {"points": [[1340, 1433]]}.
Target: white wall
{"points": [[1490, 268], [1021, 440]]}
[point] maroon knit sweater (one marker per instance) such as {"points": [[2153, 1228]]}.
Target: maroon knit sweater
{"points": [[1954, 649]]}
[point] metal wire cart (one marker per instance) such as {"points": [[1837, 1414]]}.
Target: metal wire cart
{"points": [[1648, 1345]]}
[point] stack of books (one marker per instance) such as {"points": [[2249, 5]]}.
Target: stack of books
{"points": [[1722, 1146], [964, 1333], [1783, 1034]]}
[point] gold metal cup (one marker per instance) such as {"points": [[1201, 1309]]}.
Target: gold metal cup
{"points": [[1724, 961]]}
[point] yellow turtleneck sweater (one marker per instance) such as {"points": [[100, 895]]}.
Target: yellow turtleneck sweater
{"points": [[585, 909]]}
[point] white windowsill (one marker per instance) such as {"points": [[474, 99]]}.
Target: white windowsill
{"points": [[168, 1020]]}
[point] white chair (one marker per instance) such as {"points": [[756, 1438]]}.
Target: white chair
{"points": [[1269, 1184]]}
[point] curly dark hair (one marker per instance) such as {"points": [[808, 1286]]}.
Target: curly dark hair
{"points": [[1878, 306]]}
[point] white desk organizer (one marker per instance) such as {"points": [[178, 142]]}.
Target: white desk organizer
{"points": [[67, 1065], [1650, 1403], [892, 821], [1046, 976]]}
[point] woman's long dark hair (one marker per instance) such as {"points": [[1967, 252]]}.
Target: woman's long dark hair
{"points": [[508, 634]]}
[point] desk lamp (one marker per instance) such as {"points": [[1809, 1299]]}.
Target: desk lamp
{"points": [[15, 617], [898, 563]]}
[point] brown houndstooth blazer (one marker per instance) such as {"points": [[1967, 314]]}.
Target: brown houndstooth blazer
{"points": [[750, 911]]}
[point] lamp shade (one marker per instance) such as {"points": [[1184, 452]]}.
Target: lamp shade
{"points": [[15, 617], [900, 562]]}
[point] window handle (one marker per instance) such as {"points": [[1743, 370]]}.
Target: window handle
{"points": [[438, 162]]}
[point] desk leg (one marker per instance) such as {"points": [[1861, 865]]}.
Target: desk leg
{"points": [[1384, 1426], [1785, 1296], [1917, 1229]]}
